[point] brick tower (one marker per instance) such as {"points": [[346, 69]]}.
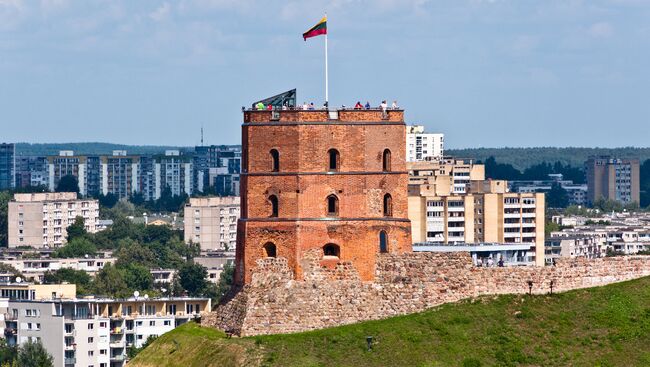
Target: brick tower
{"points": [[327, 183]]}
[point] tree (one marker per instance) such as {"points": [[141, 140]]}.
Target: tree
{"points": [[137, 277], [193, 278], [78, 247], [110, 282], [5, 197], [68, 183], [557, 197], [8, 353], [79, 277], [77, 229], [225, 282], [109, 200], [33, 354]]}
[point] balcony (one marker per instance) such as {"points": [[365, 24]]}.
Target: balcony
{"points": [[116, 344], [70, 360], [118, 357]]}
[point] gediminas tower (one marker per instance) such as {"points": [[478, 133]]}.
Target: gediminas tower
{"points": [[327, 182]]}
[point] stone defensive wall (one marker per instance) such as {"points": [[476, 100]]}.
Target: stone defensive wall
{"points": [[275, 303]]}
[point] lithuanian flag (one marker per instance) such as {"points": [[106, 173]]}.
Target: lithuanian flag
{"points": [[317, 30]]}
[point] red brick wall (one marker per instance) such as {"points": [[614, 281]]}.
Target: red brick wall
{"points": [[302, 185]]}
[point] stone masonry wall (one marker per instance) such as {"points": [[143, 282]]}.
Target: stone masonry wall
{"points": [[404, 283]]}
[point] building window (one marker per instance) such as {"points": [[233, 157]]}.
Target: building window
{"points": [[383, 242], [334, 160], [332, 206], [386, 160], [274, 206], [388, 205], [275, 160], [270, 250], [331, 250]]}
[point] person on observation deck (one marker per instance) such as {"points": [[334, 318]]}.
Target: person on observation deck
{"points": [[358, 106], [394, 106], [367, 105]]}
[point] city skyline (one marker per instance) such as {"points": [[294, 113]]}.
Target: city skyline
{"points": [[154, 73]]}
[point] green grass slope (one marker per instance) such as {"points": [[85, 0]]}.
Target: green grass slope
{"points": [[605, 326]]}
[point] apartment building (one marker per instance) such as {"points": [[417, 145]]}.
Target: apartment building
{"points": [[613, 179], [422, 146], [173, 171], [119, 174], [41, 219], [589, 247], [461, 171], [212, 222], [96, 331], [7, 166], [218, 167], [35, 269], [485, 213], [577, 193], [85, 168], [32, 171]]}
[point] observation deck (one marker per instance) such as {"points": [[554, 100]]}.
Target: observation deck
{"points": [[322, 116]]}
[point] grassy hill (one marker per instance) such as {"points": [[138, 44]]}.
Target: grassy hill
{"points": [[605, 326]]}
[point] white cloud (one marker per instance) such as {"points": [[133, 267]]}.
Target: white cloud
{"points": [[162, 13], [601, 30]]}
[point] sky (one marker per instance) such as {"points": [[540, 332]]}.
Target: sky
{"points": [[486, 73]]}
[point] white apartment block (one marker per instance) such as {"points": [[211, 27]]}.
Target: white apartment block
{"points": [[41, 219], [212, 222], [34, 269], [421, 146], [95, 332]]}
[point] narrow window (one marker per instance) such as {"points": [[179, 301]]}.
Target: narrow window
{"points": [[332, 206], [269, 249], [388, 205], [386, 160], [274, 205], [275, 160], [383, 242], [331, 250], [334, 159]]}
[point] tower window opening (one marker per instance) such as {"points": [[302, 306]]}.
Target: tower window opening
{"points": [[275, 160], [332, 206], [331, 250], [270, 250], [388, 205], [383, 242], [334, 160], [274, 205], [386, 160]]}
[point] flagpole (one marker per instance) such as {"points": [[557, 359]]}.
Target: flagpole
{"points": [[326, 76]]}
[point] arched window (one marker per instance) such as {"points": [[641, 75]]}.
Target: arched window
{"points": [[334, 160], [270, 250], [388, 205], [275, 160], [332, 206], [331, 250], [274, 205], [383, 242], [386, 160]]}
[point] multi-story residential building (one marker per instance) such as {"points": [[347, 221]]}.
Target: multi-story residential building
{"points": [[577, 193], [32, 171], [173, 171], [613, 179], [7, 166], [589, 247], [212, 222], [85, 168], [461, 171], [119, 174], [421, 146], [96, 331], [35, 269], [41, 219], [217, 166], [486, 213]]}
